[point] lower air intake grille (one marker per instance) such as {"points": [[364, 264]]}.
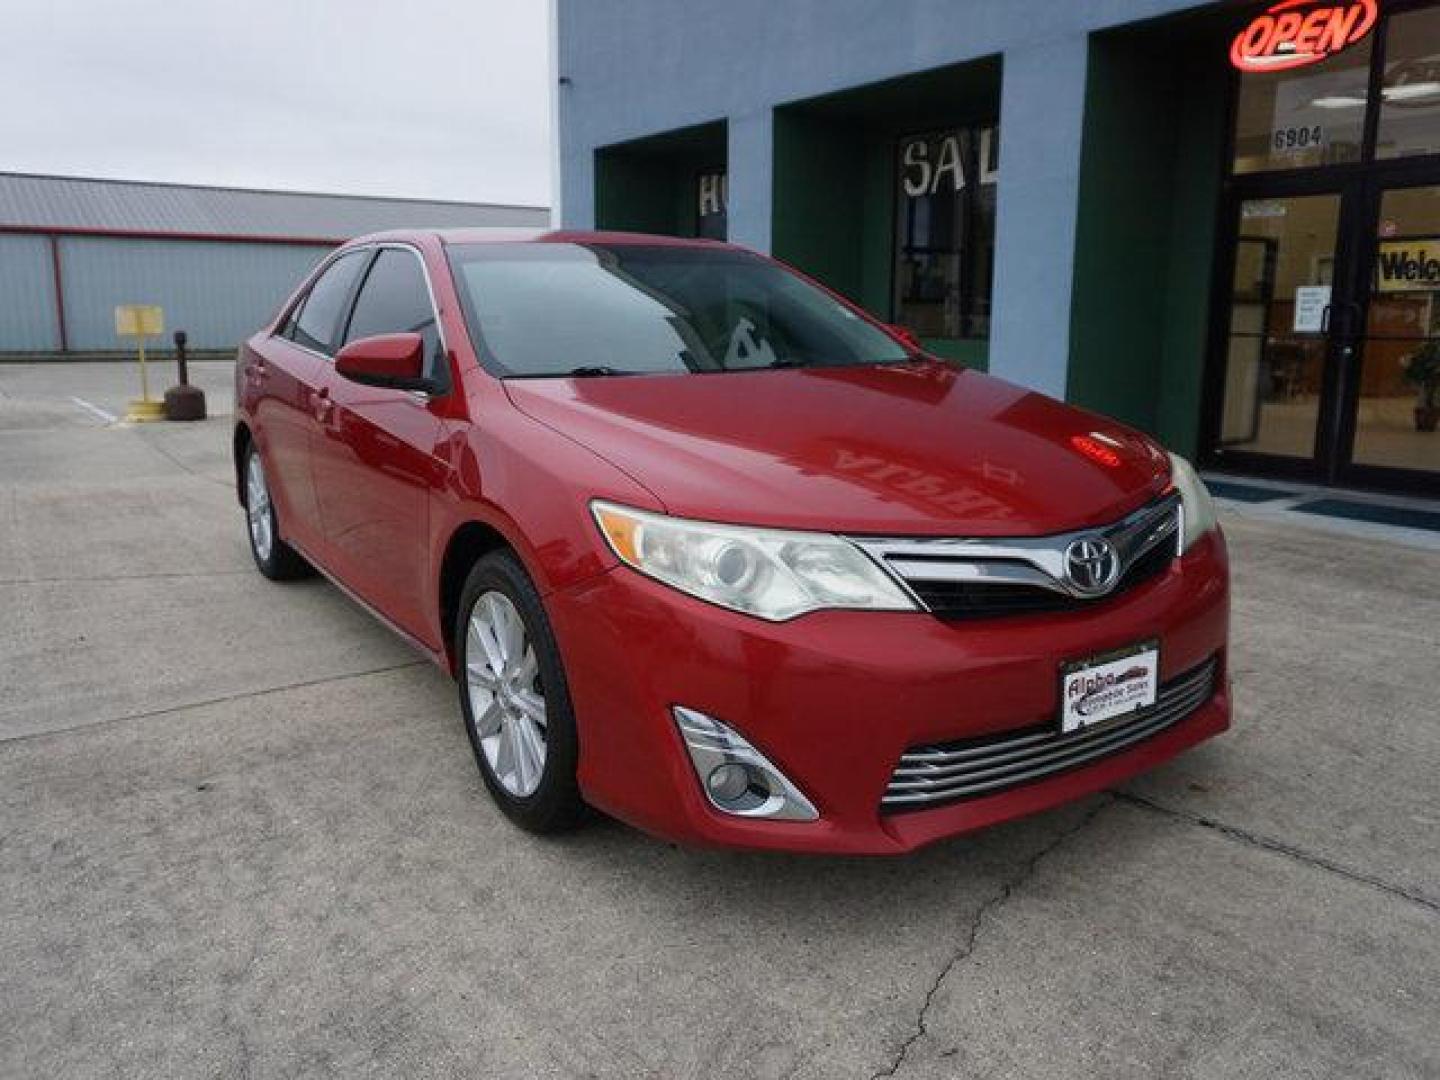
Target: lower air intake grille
{"points": [[930, 776]]}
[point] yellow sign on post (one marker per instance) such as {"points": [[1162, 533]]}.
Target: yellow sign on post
{"points": [[141, 321]]}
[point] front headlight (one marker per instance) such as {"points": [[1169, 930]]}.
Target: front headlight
{"points": [[771, 573], [1197, 508]]}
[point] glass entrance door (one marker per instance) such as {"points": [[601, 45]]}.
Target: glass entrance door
{"points": [[1280, 329], [1394, 404]]}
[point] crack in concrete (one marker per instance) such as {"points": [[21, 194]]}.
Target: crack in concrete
{"points": [[1007, 889], [1280, 847], [157, 448], [222, 700]]}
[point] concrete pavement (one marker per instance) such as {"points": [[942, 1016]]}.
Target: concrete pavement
{"points": [[241, 835]]}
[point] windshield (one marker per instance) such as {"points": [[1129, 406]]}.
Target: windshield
{"points": [[590, 309]]}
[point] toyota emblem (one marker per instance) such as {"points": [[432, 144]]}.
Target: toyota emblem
{"points": [[1092, 565]]}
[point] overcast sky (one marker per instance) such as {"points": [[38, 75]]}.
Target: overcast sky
{"points": [[443, 99]]}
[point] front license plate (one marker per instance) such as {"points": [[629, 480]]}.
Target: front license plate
{"points": [[1104, 687]]}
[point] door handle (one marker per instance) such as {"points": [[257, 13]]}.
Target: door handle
{"points": [[320, 400]]}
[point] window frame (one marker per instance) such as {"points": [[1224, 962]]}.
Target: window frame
{"points": [[370, 252], [443, 380], [286, 325]]}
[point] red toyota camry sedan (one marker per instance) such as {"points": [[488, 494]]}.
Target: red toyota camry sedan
{"points": [[711, 550]]}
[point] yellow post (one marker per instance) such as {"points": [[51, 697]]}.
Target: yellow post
{"points": [[140, 321], [144, 382]]}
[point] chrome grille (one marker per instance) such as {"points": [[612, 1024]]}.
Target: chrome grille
{"points": [[929, 776], [989, 577]]}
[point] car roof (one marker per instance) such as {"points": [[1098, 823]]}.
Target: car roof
{"points": [[501, 235]]}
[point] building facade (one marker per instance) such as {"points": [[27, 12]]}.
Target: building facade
{"points": [[1219, 222], [218, 260]]}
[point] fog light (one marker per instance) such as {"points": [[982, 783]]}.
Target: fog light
{"points": [[729, 783], [736, 777]]}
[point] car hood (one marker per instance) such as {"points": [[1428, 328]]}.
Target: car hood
{"points": [[911, 449]]}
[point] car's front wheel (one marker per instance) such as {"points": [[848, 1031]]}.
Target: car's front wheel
{"points": [[514, 697], [276, 559]]}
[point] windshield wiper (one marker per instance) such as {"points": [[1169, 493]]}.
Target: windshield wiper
{"points": [[788, 362], [590, 371]]}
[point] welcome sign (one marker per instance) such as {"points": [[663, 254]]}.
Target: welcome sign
{"points": [[1408, 265]]}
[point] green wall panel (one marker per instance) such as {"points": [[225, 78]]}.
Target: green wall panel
{"points": [[1150, 180], [819, 199], [635, 194], [972, 353], [650, 185]]}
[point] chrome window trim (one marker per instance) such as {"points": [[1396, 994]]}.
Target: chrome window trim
{"points": [[1037, 561], [420, 397], [303, 295], [403, 245]]}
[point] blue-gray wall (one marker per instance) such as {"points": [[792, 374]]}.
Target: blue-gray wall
{"points": [[633, 68], [27, 294], [218, 292]]}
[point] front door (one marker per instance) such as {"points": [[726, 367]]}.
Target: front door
{"points": [[1393, 395], [1290, 320], [1332, 335], [374, 456]]}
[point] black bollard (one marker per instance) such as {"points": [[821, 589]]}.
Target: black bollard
{"points": [[181, 360], [184, 402]]}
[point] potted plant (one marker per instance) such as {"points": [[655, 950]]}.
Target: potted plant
{"points": [[1423, 369]]}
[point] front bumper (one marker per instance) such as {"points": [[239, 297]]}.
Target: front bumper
{"points": [[834, 698]]}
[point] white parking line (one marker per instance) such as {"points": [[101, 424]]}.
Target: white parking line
{"points": [[95, 410]]}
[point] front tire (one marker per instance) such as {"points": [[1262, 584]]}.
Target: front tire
{"points": [[515, 699], [276, 559]]}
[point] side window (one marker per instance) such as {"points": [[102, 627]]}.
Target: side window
{"points": [[394, 300], [316, 320]]}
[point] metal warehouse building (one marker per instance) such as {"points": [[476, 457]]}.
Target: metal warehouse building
{"points": [[218, 260], [1217, 221]]}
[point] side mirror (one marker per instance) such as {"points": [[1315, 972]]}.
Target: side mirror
{"points": [[396, 361], [905, 334]]}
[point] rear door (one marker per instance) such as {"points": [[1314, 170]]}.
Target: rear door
{"points": [[374, 454], [282, 376]]}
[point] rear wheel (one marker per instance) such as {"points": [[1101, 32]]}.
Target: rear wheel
{"points": [[514, 697], [276, 559]]}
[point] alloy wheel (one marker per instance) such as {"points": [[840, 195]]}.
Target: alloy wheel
{"points": [[257, 508], [506, 699]]}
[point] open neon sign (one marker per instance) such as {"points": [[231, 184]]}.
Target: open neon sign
{"points": [[1295, 33]]}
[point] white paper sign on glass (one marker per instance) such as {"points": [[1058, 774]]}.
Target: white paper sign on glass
{"points": [[1310, 304]]}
